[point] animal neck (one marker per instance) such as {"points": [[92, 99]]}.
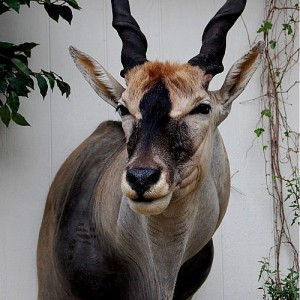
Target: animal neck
{"points": [[157, 245], [168, 234]]}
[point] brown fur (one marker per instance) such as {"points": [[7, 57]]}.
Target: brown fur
{"points": [[88, 66], [153, 241], [186, 84], [50, 284]]}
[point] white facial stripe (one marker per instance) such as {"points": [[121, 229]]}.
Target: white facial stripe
{"points": [[120, 101], [132, 106], [184, 106], [202, 101]]}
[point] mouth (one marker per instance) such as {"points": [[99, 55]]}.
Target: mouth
{"points": [[143, 199], [151, 201], [147, 206]]}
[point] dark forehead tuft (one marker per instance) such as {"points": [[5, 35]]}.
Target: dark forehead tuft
{"points": [[156, 103], [155, 108]]}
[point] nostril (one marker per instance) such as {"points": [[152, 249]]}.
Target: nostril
{"points": [[141, 179]]}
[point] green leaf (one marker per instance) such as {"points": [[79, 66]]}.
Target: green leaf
{"points": [[27, 45], [259, 131], [18, 85], [61, 86], [14, 4], [66, 13], [273, 44], [3, 85], [73, 4], [22, 57], [26, 48], [29, 82], [13, 102], [64, 88], [42, 83], [5, 114], [288, 27], [68, 90], [19, 119], [266, 112], [51, 80], [21, 66], [265, 27], [277, 73], [52, 10], [6, 45]]}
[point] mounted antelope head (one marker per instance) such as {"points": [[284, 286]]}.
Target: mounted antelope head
{"points": [[132, 212], [168, 114]]}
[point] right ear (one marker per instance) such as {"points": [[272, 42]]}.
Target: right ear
{"points": [[103, 83]]}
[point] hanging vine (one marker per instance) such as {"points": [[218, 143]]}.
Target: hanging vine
{"points": [[280, 144]]}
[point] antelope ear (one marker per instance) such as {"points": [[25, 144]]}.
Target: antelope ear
{"points": [[103, 83], [240, 74]]}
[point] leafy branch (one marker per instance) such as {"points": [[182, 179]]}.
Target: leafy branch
{"points": [[55, 9], [285, 289], [17, 80], [280, 31]]}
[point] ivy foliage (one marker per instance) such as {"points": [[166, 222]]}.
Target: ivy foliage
{"points": [[286, 289], [280, 30], [17, 80]]}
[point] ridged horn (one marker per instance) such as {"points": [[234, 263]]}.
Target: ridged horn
{"points": [[134, 41], [214, 37]]}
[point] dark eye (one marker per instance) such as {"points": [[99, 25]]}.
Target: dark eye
{"points": [[122, 110], [202, 108]]}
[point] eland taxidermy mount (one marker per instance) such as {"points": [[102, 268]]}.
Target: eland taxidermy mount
{"points": [[132, 211]]}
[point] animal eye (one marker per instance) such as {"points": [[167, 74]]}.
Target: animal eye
{"points": [[202, 108], [123, 111]]}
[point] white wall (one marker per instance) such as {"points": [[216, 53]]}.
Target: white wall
{"points": [[30, 157]]}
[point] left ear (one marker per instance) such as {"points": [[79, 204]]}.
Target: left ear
{"points": [[240, 74], [103, 83]]}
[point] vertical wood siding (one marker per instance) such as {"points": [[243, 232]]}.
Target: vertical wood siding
{"points": [[30, 157]]}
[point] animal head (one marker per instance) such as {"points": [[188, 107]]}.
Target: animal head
{"points": [[168, 114]]}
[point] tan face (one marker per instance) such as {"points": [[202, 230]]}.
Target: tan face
{"points": [[167, 117]]}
